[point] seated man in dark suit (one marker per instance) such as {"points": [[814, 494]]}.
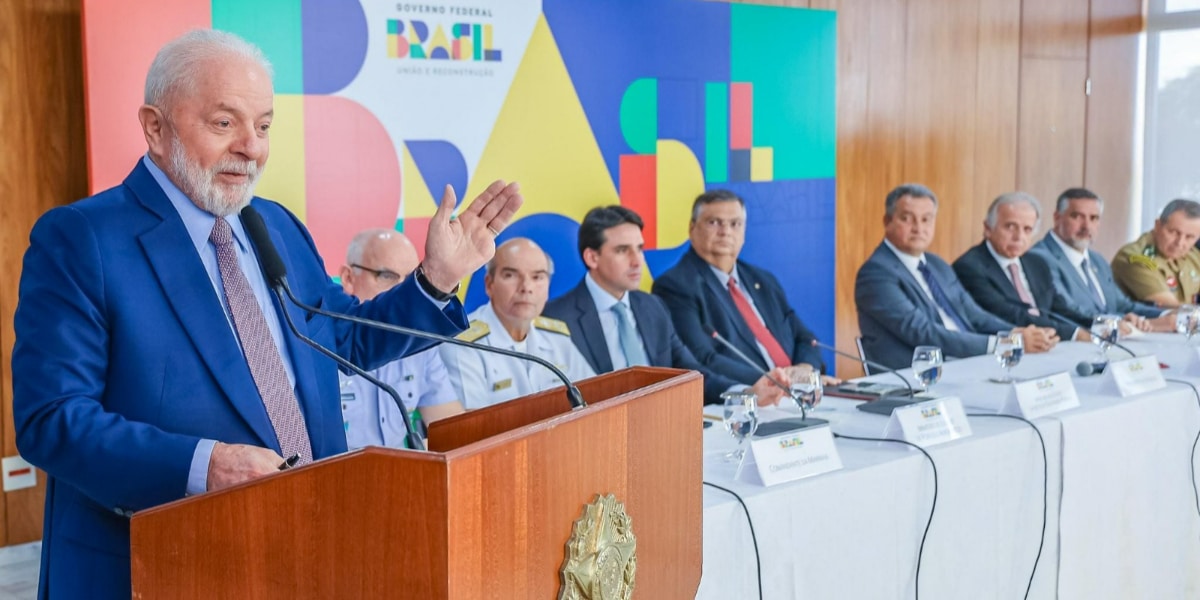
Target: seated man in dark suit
{"points": [[1010, 283], [711, 290], [907, 297], [615, 325], [1081, 274]]}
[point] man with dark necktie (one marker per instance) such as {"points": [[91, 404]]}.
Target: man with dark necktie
{"points": [[908, 297]]}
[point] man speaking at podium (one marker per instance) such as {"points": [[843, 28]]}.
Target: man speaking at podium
{"points": [[151, 361]]}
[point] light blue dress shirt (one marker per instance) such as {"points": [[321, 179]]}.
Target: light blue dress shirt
{"points": [[608, 320]]}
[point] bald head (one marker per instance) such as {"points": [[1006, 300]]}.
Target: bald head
{"points": [[377, 260], [518, 282]]}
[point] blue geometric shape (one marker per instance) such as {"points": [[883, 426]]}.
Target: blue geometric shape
{"points": [[681, 40], [558, 236], [440, 162], [680, 111], [335, 43], [739, 165], [661, 259]]}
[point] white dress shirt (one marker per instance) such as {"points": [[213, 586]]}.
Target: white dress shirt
{"points": [[911, 263]]}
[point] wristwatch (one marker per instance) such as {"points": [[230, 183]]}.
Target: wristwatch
{"points": [[429, 288]]}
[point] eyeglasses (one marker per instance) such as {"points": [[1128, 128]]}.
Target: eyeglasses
{"points": [[383, 275], [718, 224]]}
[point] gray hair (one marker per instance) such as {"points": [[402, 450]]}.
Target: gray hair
{"points": [[1076, 194], [712, 197], [1191, 208], [178, 64], [358, 245], [1010, 199], [491, 264], [913, 190]]}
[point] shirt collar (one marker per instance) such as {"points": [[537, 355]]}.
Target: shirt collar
{"points": [[1004, 261], [604, 300], [1074, 256], [909, 260], [724, 277], [198, 222]]}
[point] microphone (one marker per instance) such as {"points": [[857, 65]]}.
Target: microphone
{"points": [[1087, 368], [883, 369], [783, 424], [275, 273]]}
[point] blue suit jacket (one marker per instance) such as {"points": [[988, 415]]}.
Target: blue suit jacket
{"points": [[124, 360], [1072, 286], [895, 315], [698, 304], [663, 346], [991, 287]]}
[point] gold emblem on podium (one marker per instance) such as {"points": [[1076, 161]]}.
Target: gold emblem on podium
{"points": [[601, 561]]}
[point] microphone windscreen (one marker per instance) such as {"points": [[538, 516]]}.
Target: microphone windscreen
{"points": [[272, 265], [1085, 368]]}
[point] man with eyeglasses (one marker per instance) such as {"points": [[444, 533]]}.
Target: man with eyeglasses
{"points": [[710, 289], [518, 285], [376, 261]]}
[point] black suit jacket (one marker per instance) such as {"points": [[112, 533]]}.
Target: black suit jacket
{"points": [[663, 346], [991, 287], [698, 304]]}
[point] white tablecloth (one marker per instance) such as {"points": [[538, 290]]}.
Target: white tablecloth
{"points": [[1122, 521]]}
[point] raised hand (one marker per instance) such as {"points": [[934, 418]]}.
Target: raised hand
{"points": [[456, 248]]}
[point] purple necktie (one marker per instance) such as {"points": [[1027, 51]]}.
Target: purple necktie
{"points": [[1014, 271], [266, 366]]}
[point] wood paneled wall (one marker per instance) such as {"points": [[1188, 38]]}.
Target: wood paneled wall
{"points": [[970, 97], [42, 165]]}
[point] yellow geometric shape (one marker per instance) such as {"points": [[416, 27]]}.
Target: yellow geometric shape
{"points": [[283, 178], [762, 164], [542, 139], [416, 202], [680, 180]]}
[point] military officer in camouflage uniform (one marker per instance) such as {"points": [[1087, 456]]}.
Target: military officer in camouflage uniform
{"points": [[1163, 266], [518, 285]]}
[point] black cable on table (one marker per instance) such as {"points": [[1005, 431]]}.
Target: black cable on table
{"points": [[932, 506], [753, 538], [1192, 456], [1045, 489]]}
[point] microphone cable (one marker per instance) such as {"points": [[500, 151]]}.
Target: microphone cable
{"points": [[1192, 455], [753, 538], [932, 505], [1045, 488]]}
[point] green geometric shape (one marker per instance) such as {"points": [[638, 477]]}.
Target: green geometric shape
{"points": [[639, 115], [400, 224], [416, 51], [477, 41], [716, 132], [393, 26], [274, 26], [790, 55]]}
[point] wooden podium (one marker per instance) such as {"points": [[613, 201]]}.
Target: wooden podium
{"points": [[485, 514]]}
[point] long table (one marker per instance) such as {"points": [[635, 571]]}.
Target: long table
{"points": [[1122, 520]]}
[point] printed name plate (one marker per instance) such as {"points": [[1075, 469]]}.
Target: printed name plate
{"points": [[1033, 398], [929, 423], [1133, 376], [791, 455]]}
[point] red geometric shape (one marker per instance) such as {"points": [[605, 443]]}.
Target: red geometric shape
{"points": [[639, 192], [416, 229], [741, 113], [120, 39], [346, 192]]}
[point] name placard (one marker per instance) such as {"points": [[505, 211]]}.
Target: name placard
{"points": [[1033, 398], [1136, 375], [929, 423], [791, 455]]}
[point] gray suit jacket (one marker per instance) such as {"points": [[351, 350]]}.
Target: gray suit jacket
{"points": [[895, 315], [1068, 283]]}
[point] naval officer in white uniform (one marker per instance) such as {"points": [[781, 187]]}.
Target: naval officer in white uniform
{"points": [[518, 285]]}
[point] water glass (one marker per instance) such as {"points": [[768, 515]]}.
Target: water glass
{"points": [[927, 366], [741, 419], [1105, 329], [1010, 347], [806, 389]]}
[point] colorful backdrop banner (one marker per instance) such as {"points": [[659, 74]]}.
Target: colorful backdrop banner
{"points": [[645, 103]]}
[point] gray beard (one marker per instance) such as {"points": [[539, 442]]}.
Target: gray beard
{"points": [[200, 185]]}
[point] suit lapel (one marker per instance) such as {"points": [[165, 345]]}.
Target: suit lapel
{"points": [[908, 280], [997, 274], [189, 290], [648, 328], [594, 344], [725, 301]]}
